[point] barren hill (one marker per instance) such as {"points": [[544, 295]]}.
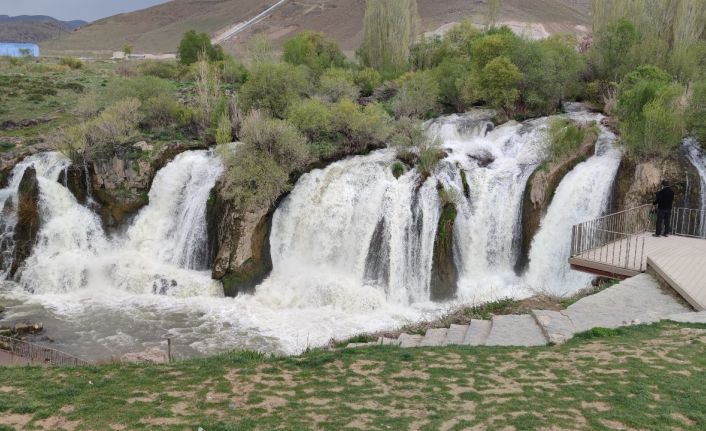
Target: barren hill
{"points": [[159, 28], [34, 28]]}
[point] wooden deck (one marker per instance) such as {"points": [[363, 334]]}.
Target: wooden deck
{"points": [[679, 260]]}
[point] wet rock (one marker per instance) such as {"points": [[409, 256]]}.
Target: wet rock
{"points": [[483, 158], [76, 179], [120, 184], [28, 220], [25, 328], [152, 355], [240, 246], [444, 274]]}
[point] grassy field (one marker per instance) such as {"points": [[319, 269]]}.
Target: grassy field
{"points": [[645, 377]]}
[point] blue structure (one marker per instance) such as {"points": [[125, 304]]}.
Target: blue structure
{"points": [[18, 49]]}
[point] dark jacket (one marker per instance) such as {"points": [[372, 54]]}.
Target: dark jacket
{"points": [[664, 198]]}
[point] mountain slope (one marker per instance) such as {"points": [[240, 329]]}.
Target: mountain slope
{"points": [[34, 28], [159, 28]]}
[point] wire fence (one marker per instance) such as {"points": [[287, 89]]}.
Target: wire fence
{"points": [[39, 354]]}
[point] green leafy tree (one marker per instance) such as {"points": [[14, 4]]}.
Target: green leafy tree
{"points": [[501, 42], [314, 118], [418, 95], [193, 44], [273, 87], [610, 53], [449, 75], [360, 128], [389, 28], [367, 80], [313, 50], [498, 82], [336, 84]]}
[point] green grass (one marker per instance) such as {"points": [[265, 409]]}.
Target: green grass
{"points": [[643, 377]]}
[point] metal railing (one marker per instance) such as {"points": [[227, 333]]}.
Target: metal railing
{"points": [[618, 240], [39, 354]]}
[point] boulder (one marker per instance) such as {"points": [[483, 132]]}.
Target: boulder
{"points": [[152, 355], [26, 328], [240, 246], [27, 227], [444, 274]]}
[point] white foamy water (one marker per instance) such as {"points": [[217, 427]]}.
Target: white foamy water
{"points": [[697, 157], [351, 248], [582, 195]]}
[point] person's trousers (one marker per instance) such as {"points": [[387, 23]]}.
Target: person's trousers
{"points": [[664, 218]]}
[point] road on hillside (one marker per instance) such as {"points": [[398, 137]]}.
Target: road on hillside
{"points": [[237, 28]]}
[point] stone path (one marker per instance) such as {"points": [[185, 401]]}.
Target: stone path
{"points": [[634, 301]]}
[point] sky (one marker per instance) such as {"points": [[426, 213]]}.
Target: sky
{"points": [[66, 10]]}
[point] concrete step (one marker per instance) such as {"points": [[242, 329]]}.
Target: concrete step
{"points": [[556, 326], [515, 330], [434, 337], [356, 345], [477, 332], [384, 341], [455, 334], [407, 340]]}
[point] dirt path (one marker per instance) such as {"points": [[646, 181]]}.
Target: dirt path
{"points": [[241, 26]]}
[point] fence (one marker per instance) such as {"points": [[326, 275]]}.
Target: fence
{"points": [[39, 354], [618, 240]]}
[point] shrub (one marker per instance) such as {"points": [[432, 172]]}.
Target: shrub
{"points": [[87, 106], [408, 134], [367, 80], [611, 48], [254, 178], [397, 169], [697, 112], [417, 96], [449, 75], [565, 138], [141, 88], [273, 87], [278, 138], [73, 63], [193, 44], [502, 43], [160, 69], [359, 128], [337, 84], [429, 52], [224, 131], [313, 50], [161, 111], [313, 118], [233, 71], [498, 82]]}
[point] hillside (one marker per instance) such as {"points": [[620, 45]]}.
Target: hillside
{"points": [[159, 28], [34, 28]]}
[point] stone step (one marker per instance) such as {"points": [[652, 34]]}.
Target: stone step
{"points": [[407, 340], [477, 333], [356, 345], [556, 326], [515, 330], [384, 341], [434, 337], [455, 334]]}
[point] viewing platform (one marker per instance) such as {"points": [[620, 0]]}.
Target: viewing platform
{"points": [[621, 245]]}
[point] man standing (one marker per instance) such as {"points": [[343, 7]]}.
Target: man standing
{"points": [[663, 201]]}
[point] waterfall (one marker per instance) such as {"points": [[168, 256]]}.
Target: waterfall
{"points": [[158, 253], [697, 157], [48, 167], [582, 195]]}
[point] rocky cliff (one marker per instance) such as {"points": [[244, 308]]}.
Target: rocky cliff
{"points": [[27, 225]]}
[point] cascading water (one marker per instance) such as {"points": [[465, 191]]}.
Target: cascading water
{"points": [[48, 167], [697, 157], [582, 195], [166, 239]]}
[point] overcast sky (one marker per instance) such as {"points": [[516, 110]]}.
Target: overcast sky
{"points": [[88, 10]]}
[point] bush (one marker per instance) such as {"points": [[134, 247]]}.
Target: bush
{"points": [[610, 51], [278, 138], [449, 75], [498, 83], [337, 84], [194, 44], [160, 69], [359, 128], [429, 52], [273, 87], [141, 88], [224, 131], [397, 169], [408, 134], [565, 138], [313, 118], [502, 43], [233, 71], [161, 111], [417, 96], [367, 80], [313, 50], [73, 63], [87, 106], [254, 178], [697, 112]]}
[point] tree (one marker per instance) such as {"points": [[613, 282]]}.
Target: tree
{"points": [[336, 84], [499, 82], [314, 118], [273, 87], [389, 28], [501, 42], [495, 8], [418, 95], [127, 49], [314, 50], [449, 75], [697, 112], [611, 49], [193, 44]]}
